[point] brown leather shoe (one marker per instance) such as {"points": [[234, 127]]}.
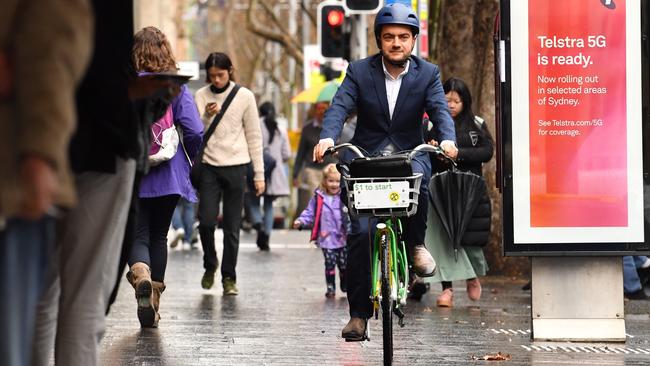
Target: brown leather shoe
{"points": [[446, 298], [423, 263], [473, 289], [355, 330]]}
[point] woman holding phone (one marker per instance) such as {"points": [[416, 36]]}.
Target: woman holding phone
{"points": [[236, 141]]}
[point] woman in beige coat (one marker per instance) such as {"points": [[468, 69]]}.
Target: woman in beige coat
{"points": [[236, 142]]}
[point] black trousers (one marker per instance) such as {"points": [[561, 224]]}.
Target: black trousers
{"points": [[152, 224], [217, 184]]}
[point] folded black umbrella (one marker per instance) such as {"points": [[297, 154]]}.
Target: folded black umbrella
{"points": [[454, 195]]}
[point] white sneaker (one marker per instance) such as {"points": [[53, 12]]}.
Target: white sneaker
{"points": [[179, 234]]}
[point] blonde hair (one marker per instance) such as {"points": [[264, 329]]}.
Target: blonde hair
{"points": [[152, 52], [328, 170]]}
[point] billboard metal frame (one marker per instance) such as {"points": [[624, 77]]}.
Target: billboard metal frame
{"points": [[503, 94]]}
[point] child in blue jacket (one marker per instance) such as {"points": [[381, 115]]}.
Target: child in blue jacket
{"points": [[327, 215]]}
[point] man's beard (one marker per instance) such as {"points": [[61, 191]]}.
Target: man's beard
{"points": [[399, 63]]}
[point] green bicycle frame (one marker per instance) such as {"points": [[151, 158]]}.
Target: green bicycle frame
{"points": [[398, 266]]}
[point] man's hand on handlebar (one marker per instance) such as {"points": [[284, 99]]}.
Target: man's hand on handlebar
{"points": [[319, 150], [450, 150]]}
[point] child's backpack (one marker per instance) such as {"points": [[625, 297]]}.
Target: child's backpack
{"points": [[319, 210], [164, 139]]}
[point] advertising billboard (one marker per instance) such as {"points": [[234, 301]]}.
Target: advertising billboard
{"points": [[572, 124]]}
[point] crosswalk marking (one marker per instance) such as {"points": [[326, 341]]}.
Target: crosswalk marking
{"points": [[509, 331], [587, 349]]}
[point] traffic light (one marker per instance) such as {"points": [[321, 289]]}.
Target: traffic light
{"points": [[362, 6], [332, 35]]}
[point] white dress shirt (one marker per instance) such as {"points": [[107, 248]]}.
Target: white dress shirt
{"points": [[393, 84]]}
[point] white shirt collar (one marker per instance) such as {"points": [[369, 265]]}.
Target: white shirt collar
{"points": [[401, 75]]}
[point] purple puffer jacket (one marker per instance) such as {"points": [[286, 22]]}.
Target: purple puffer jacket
{"points": [[333, 229], [173, 176]]}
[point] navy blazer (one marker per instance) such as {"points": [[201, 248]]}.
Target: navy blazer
{"points": [[364, 90]]}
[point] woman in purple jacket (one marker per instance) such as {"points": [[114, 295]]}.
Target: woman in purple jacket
{"points": [[164, 184], [328, 216]]}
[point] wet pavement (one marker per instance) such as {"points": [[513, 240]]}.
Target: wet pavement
{"points": [[281, 317]]}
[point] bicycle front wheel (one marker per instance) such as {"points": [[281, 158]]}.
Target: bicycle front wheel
{"points": [[386, 300]]}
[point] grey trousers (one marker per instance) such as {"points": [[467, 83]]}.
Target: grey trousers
{"points": [[70, 316]]}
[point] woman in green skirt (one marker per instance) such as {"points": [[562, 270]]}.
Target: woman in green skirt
{"points": [[475, 147]]}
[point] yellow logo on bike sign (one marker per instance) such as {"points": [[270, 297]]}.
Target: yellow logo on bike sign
{"points": [[394, 196]]}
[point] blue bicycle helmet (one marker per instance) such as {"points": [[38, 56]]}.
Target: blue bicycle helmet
{"points": [[396, 13]]}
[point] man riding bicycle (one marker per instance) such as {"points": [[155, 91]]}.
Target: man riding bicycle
{"points": [[390, 92]]}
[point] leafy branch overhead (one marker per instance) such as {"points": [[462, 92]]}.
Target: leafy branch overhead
{"points": [[277, 34]]}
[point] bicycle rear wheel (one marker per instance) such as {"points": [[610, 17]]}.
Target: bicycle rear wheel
{"points": [[386, 300]]}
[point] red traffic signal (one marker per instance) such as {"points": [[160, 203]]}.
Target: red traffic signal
{"points": [[333, 33], [335, 17]]}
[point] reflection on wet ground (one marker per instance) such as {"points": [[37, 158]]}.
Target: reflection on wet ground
{"points": [[282, 317]]}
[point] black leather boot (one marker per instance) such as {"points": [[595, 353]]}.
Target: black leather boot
{"points": [[263, 240]]}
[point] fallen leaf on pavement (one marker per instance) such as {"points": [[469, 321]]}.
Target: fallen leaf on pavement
{"points": [[493, 357]]}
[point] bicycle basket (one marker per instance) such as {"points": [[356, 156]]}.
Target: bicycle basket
{"points": [[383, 196]]}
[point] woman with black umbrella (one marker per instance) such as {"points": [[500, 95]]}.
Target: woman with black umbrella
{"points": [[475, 147]]}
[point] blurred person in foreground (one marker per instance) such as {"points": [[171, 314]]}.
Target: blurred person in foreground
{"points": [[44, 50], [109, 139]]}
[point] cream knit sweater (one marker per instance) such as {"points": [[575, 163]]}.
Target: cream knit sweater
{"points": [[238, 137]]}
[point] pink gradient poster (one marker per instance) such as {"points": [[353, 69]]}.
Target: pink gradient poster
{"points": [[578, 117]]}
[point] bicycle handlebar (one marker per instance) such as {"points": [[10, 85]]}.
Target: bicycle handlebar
{"points": [[418, 149], [332, 149]]}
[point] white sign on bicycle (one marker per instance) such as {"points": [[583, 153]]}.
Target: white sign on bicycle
{"points": [[378, 195]]}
